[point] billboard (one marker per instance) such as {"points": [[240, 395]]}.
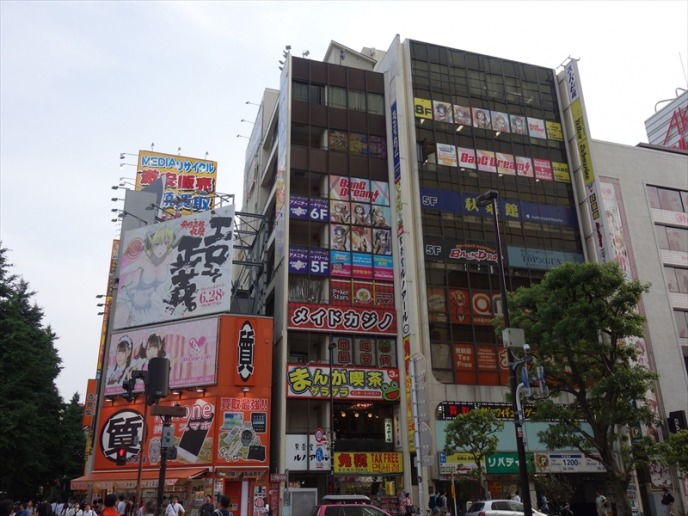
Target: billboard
{"points": [[351, 382], [187, 181], [190, 346], [176, 269]]}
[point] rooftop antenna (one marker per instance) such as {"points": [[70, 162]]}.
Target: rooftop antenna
{"points": [[152, 146]]}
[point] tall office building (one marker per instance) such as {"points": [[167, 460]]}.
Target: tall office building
{"points": [[381, 262]]}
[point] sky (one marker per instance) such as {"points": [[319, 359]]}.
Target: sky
{"points": [[82, 82]]}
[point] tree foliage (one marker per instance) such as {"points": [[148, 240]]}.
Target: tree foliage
{"points": [[673, 451], [578, 322], [474, 433], [37, 429]]}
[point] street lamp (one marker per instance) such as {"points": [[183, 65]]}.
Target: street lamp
{"points": [[331, 347], [485, 199]]}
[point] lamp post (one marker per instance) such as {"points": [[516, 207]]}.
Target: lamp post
{"points": [[331, 347], [485, 199]]}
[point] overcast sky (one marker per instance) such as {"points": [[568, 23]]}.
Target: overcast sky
{"points": [[81, 82]]}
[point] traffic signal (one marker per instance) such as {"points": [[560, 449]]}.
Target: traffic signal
{"points": [[121, 458], [172, 453]]}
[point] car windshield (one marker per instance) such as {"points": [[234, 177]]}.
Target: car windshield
{"points": [[477, 507]]}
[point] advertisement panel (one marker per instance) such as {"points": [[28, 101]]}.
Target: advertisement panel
{"points": [[176, 269], [350, 382], [243, 435], [306, 316], [187, 181], [567, 463], [307, 452], [90, 402], [190, 346], [373, 463], [123, 426]]}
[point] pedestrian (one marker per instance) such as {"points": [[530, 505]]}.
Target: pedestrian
{"points": [[408, 505], [88, 511], [266, 507], [208, 506], [601, 504], [149, 508], [667, 501], [516, 498], [43, 509], [109, 503], [122, 506], [442, 503], [175, 508], [224, 506], [544, 504]]}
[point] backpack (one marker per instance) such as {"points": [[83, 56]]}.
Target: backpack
{"points": [[432, 503], [667, 499]]}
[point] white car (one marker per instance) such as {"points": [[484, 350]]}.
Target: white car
{"points": [[498, 508]]}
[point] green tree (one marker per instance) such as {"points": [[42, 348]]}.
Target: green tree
{"points": [[31, 408], [576, 321], [673, 451], [474, 433]]}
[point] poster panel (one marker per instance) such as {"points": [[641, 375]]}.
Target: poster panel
{"points": [[536, 128], [243, 435], [176, 269], [190, 346], [350, 382], [307, 452], [462, 115]]}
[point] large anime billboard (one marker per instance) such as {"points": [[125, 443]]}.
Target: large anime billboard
{"points": [[177, 269]]}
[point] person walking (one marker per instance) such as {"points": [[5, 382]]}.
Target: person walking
{"points": [[667, 501], [601, 504], [109, 505], [224, 506], [516, 498], [208, 506], [175, 508]]}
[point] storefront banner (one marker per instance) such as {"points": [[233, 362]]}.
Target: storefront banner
{"points": [[339, 188], [524, 167], [383, 267], [298, 259], [486, 160], [467, 158], [540, 258], [340, 293], [461, 463], [305, 316], [561, 172], [373, 463], [384, 295], [90, 403], [567, 463], [318, 262], [353, 383], [183, 177], [536, 128], [422, 108], [554, 131], [298, 207], [340, 264], [306, 453], [176, 269], [318, 210], [446, 155], [506, 164], [363, 293], [448, 410], [506, 463], [548, 214], [191, 348], [193, 435], [243, 434], [379, 193], [362, 266], [472, 253], [462, 306], [543, 169]]}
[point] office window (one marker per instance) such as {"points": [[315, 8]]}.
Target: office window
{"points": [[376, 104], [681, 318], [311, 93], [357, 100], [337, 97]]}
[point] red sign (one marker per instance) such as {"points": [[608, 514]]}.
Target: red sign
{"points": [[342, 319]]}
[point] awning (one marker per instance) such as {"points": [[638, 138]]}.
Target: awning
{"points": [[127, 479]]}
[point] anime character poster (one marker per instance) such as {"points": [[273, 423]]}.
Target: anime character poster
{"points": [[191, 348], [462, 115], [519, 124], [481, 118], [536, 128], [500, 121], [176, 269], [442, 111]]}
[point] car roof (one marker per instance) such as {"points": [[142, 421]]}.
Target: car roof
{"points": [[335, 499]]}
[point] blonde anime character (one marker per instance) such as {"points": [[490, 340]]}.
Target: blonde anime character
{"points": [[147, 279]]}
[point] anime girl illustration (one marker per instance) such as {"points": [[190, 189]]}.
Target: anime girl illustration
{"points": [[462, 115], [442, 112], [378, 218], [382, 243], [145, 282], [122, 368], [518, 124], [500, 122], [481, 118], [360, 239], [340, 213], [361, 217], [154, 347], [340, 240]]}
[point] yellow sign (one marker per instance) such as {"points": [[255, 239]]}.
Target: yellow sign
{"points": [[561, 172], [368, 463], [582, 141], [554, 131], [422, 108]]}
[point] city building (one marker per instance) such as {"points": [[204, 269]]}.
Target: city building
{"points": [[382, 266]]}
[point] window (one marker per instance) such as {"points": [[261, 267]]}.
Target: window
{"points": [[376, 104], [678, 239], [666, 199], [337, 97], [681, 318], [357, 100], [312, 93]]}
